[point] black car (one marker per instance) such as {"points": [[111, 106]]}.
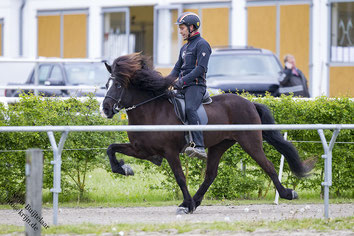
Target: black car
{"points": [[67, 74], [246, 69]]}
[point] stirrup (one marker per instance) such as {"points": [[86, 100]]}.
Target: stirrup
{"points": [[192, 144]]}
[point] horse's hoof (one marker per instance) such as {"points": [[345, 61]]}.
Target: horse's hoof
{"points": [[127, 169], [182, 210], [294, 194]]}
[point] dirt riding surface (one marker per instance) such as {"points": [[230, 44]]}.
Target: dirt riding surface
{"points": [[159, 215]]}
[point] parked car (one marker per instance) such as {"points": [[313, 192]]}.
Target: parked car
{"points": [[66, 74], [248, 69]]}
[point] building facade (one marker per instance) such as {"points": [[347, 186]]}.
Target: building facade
{"points": [[319, 33]]}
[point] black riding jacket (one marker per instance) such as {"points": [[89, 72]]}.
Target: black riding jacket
{"points": [[192, 64], [296, 84]]}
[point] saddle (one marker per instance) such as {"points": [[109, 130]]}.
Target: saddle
{"points": [[177, 99]]}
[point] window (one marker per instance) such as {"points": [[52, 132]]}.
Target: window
{"points": [[127, 30], [62, 34], [86, 73], [56, 73], [43, 71], [117, 40], [215, 28], [229, 66], [342, 32]]}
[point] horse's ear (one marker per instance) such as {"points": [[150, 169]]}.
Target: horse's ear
{"points": [[109, 68]]}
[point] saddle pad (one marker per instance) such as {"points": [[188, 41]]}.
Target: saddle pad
{"points": [[179, 104]]}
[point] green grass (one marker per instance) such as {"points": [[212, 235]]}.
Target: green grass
{"points": [[144, 189], [319, 225], [103, 188], [138, 188]]}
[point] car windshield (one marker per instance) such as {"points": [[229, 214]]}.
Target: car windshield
{"points": [[88, 73], [230, 66]]}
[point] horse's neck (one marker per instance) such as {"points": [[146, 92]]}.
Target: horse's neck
{"points": [[148, 113]]}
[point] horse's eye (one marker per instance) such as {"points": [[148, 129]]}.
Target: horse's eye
{"points": [[118, 85]]}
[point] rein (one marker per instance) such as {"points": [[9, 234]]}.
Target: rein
{"points": [[144, 102], [116, 109]]}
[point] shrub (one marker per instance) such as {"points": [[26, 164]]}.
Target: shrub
{"points": [[86, 150], [287, 110], [83, 150], [232, 182]]}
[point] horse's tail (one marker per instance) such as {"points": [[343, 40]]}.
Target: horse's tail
{"points": [[276, 139]]}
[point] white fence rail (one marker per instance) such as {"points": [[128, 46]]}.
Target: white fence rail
{"points": [[154, 128], [81, 87], [57, 149]]}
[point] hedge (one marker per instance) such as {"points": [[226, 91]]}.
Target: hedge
{"points": [[233, 182], [287, 110], [85, 151]]}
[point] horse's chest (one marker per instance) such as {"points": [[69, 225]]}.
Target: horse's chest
{"points": [[143, 140]]}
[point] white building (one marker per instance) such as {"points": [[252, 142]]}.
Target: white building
{"points": [[319, 33]]}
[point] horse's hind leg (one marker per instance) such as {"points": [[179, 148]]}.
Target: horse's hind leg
{"points": [[214, 154], [251, 142], [188, 205]]}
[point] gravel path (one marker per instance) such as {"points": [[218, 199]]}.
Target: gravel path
{"points": [[168, 214], [203, 214]]}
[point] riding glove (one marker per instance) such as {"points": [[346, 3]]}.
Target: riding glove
{"points": [[178, 84]]}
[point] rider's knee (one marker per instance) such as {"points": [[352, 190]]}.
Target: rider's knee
{"points": [[190, 110]]}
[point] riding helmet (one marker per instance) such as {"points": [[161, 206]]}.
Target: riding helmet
{"points": [[189, 18]]}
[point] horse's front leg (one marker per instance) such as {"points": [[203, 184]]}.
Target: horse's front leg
{"points": [[126, 149], [188, 205], [214, 154]]}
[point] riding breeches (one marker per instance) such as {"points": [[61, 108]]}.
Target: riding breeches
{"points": [[193, 96]]}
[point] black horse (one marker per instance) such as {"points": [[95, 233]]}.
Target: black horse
{"points": [[144, 93]]}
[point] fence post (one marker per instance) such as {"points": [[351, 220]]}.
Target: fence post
{"points": [[57, 150], [327, 166], [34, 182], [281, 167]]}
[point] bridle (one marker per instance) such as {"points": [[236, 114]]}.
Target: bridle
{"points": [[116, 107]]}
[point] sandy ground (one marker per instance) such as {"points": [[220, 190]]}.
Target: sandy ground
{"points": [[202, 214]]}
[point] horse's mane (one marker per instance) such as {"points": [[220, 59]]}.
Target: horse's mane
{"points": [[136, 70]]}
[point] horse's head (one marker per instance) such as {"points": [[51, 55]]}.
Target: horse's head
{"points": [[122, 71], [112, 102], [131, 75]]}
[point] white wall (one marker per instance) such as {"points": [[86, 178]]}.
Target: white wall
{"points": [[319, 34], [95, 32], [12, 72], [238, 23], [94, 20], [9, 12]]}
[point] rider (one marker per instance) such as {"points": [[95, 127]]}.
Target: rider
{"points": [[191, 68]]}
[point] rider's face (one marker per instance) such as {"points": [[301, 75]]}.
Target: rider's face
{"points": [[183, 30]]}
